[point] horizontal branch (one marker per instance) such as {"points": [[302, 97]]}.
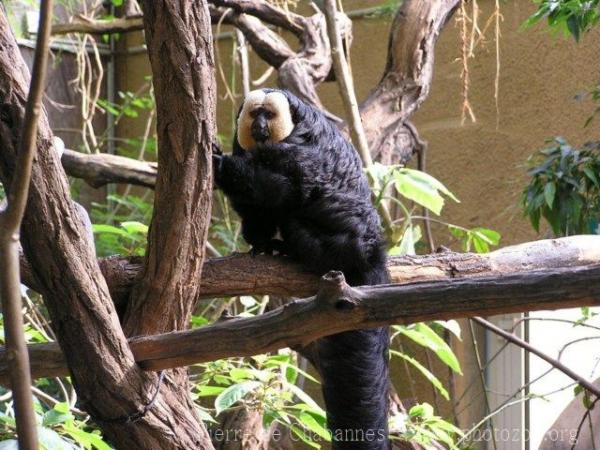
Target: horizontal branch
{"points": [[100, 169], [93, 26], [337, 307], [550, 274], [242, 274]]}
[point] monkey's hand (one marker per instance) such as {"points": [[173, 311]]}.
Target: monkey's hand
{"points": [[217, 161], [216, 149]]}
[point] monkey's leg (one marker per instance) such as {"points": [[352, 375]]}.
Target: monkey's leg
{"points": [[258, 228], [251, 184]]}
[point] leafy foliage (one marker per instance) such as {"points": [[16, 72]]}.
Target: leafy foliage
{"points": [[266, 383], [131, 216], [424, 190], [571, 17], [424, 335], [564, 188], [427, 429], [60, 427]]}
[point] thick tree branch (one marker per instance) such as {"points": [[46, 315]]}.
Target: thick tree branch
{"points": [[267, 44], [10, 224], [338, 307], [180, 47], [266, 12], [242, 274], [406, 80], [101, 168]]}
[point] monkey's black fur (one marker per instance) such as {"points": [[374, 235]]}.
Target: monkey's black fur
{"points": [[311, 187]]}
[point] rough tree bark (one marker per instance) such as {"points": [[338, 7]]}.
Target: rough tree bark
{"points": [[111, 387], [180, 47]]}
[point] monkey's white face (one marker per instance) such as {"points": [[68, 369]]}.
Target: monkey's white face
{"points": [[264, 118]]}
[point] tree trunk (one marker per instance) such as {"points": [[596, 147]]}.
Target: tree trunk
{"points": [[111, 387]]}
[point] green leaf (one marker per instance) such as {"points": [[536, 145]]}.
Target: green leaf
{"points": [[209, 391], [573, 26], [54, 417], [450, 325], [239, 374], [549, 193], [434, 182], [51, 440], [591, 175], [303, 437], [407, 245], [87, 440], [308, 421], [424, 371], [135, 227], [481, 246], [421, 188], [101, 228], [490, 236], [199, 321], [305, 398], [233, 394], [423, 411], [457, 232], [8, 420], [288, 367], [423, 335]]}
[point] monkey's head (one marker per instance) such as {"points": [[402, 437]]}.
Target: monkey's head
{"points": [[265, 117]]}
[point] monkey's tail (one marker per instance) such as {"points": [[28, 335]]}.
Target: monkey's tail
{"points": [[354, 372]]}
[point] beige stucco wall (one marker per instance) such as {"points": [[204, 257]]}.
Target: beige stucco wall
{"points": [[482, 162]]}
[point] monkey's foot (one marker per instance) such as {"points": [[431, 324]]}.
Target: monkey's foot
{"points": [[269, 248]]}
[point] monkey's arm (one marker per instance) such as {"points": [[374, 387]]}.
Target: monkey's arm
{"points": [[250, 184]]}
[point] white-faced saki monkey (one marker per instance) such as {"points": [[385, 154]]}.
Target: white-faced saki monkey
{"points": [[292, 172]]}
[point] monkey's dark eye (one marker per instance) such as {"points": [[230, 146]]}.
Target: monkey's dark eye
{"points": [[269, 115]]}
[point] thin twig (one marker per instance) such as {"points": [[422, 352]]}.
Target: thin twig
{"points": [[529, 348], [466, 106], [346, 86], [242, 50], [10, 223]]}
